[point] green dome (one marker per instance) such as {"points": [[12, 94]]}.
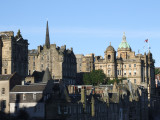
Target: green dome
{"points": [[124, 43]]}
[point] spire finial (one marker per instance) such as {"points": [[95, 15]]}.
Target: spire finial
{"points": [[47, 41], [110, 43], [124, 37]]}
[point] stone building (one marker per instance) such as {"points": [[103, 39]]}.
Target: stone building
{"points": [[32, 98], [85, 63], [7, 82], [60, 61], [139, 69], [13, 53]]}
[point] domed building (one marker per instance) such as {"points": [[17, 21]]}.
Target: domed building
{"points": [[139, 69]]}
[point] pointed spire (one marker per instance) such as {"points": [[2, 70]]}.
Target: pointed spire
{"points": [[124, 37], [46, 76], [47, 41]]}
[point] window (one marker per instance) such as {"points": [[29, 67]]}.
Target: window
{"points": [[129, 65], [109, 56], [47, 57], [129, 72], [28, 58], [33, 63], [134, 80], [134, 72], [124, 66], [24, 96], [34, 96], [33, 57], [5, 71], [124, 72], [3, 104], [117, 72], [134, 65], [3, 91], [42, 66], [42, 58], [109, 72], [29, 72]]}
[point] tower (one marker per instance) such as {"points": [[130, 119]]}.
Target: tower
{"points": [[124, 48], [13, 53], [110, 59]]}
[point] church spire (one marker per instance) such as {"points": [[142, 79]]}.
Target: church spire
{"points": [[47, 41]]}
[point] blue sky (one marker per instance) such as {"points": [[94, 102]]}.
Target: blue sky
{"points": [[86, 25]]}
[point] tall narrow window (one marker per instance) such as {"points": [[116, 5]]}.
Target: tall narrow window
{"points": [[117, 72], [129, 65], [129, 72], [3, 103], [134, 72], [124, 72], [3, 91], [5, 71], [134, 65], [134, 80], [29, 72]]}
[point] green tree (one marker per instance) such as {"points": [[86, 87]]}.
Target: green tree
{"points": [[95, 77], [87, 79], [115, 80], [157, 71]]}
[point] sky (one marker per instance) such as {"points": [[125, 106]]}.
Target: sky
{"points": [[88, 26]]}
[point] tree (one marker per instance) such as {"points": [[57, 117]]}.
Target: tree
{"points": [[157, 71], [109, 82], [95, 77]]}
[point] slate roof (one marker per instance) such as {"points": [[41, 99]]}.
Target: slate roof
{"points": [[6, 77], [29, 88]]}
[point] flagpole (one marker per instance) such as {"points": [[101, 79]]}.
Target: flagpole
{"points": [[148, 46]]}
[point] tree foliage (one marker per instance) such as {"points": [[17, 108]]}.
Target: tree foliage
{"points": [[109, 82], [95, 77], [157, 71]]}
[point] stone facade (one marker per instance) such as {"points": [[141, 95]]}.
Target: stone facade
{"points": [[60, 61], [85, 63], [7, 82], [13, 54], [139, 69]]}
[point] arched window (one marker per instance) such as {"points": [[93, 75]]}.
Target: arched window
{"points": [[109, 56]]}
